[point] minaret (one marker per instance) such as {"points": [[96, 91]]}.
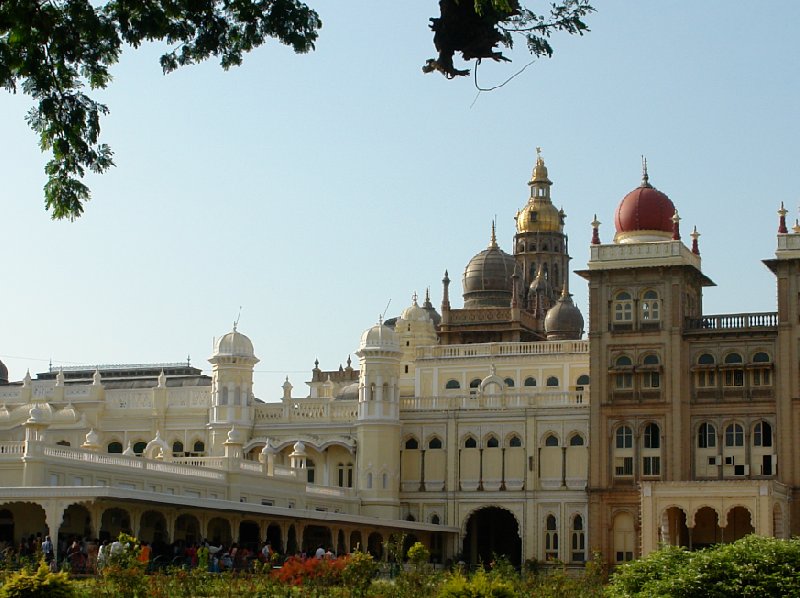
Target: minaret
{"points": [[378, 426], [231, 386]]}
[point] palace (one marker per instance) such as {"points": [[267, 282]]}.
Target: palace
{"points": [[474, 430]]}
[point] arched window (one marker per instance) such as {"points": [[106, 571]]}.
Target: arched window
{"points": [[706, 436], [435, 443], [515, 441], [651, 453], [623, 378], [199, 449], [578, 540], [385, 480], [706, 373], [734, 435], [761, 374], [552, 381], [451, 384], [623, 452], [177, 449], [762, 434], [734, 372], [623, 308], [412, 443], [509, 382], [345, 475], [492, 442], [551, 440], [435, 519], [223, 395], [138, 448], [114, 447], [650, 307], [576, 440], [583, 380], [530, 381], [237, 396], [475, 383], [470, 443], [551, 538], [651, 377], [369, 480]]}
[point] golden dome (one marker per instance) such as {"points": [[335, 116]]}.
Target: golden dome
{"points": [[540, 215]]}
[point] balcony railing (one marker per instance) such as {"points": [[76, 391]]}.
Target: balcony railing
{"points": [[732, 322], [497, 402], [503, 349]]}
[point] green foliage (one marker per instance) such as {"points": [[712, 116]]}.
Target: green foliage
{"points": [[54, 50], [418, 554], [123, 573], [480, 585], [359, 571], [752, 566], [39, 584]]}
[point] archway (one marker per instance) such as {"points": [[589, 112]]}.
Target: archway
{"points": [[674, 530], [153, 528], [23, 520], [492, 531], [706, 530], [291, 541], [408, 542], [187, 529], [315, 536], [375, 545], [76, 523], [6, 527], [739, 524], [219, 531], [356, 543], [250, 535], [114, 521], [341, 548], [274, 537]]}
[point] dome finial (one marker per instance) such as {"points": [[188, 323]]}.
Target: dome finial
{"points": [[595, 231], [676, 231], [645, 177], [414, 298], [493, 241], [782, 222], [695, 235]]}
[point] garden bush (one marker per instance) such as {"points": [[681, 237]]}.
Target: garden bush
{"points": [[41, 583]]}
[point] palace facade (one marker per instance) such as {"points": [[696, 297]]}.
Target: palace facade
{"points": [[494, 427]]}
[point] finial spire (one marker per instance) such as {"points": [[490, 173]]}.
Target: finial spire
{"points": [[645, 177], [493, 242], [414, 298], [236, 321], [695, 247], [782, 223], [676, 230], [595, 231]]}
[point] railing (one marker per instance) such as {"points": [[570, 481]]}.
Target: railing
{"points": [[189, 397], [283, 470], [91, 457], [503, 349], [304, 409], [504, 401], [732, 322], [11, 394], [327, 490], [251, 466], [12, 448], [129, 399], [207, 462]]}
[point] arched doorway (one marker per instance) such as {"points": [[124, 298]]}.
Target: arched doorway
{"points": [[375, 545], [274, 537], [76, 523], [114, 521], [408, 541], [706, 531], [219, 531], [6, 527], [23, 520], [492, 531], [674, 530], [291, 541], [153, 528], [315, 536], [340, 545], [356, 543], [187, 529], [738, 525], [250, 535]]}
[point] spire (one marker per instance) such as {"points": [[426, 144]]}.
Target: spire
{"points": [[695, 235], [645, 178], [782, 223], [514, 285], [446, 291], [676, 226], [414, 298], [427, 298], [493, 240], [595, 231]]}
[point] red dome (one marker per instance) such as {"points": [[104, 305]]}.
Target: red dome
{"points": [[644, 208]]}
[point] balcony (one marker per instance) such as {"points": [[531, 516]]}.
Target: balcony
{"points": [[732, 324]]}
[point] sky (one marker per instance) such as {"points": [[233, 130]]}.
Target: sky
{"points": [[304, 193]]}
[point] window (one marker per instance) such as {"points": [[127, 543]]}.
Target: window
{"points": [[552, 381], [412, 444], [651, 445], [578, 540], [369, 480], [311, 469], [223, 396], [530, 381], [475, 383], [451, 384], [177, 449], [515, 441], [652, 437], [114, 447], [345, 475], [762, 434], [734, 435], [435, 519], [623, 307], [582, 381], [385, 480], [707, 376], [576, 440], [650, 307], [624, 437], [435, 443], [199, 449], [492, 442], [734, 376], [623, 380], [651, 378], [470, 443], [706, 436], [551, 440], [139, 447], [551, 538], [509, 382], [762, 372]]}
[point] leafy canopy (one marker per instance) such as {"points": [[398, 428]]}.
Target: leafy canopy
{"points": [[54, 50]]}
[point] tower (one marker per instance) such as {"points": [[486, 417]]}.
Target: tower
{"points": [[378, 423], [231, 386]]}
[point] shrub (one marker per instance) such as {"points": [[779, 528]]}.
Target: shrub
{"points": [[481, 585], [359, 569], [39, 584], [752, 566], [418, 554], [314, 572]]}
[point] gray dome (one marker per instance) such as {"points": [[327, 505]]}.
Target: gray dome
{"points": [[564, 320], [487, 278], [349, 392]]}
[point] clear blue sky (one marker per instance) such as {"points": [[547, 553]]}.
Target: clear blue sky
{"points": [[313, 189]]}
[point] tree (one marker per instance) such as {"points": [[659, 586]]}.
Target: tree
{"points": [[53, 50]]}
